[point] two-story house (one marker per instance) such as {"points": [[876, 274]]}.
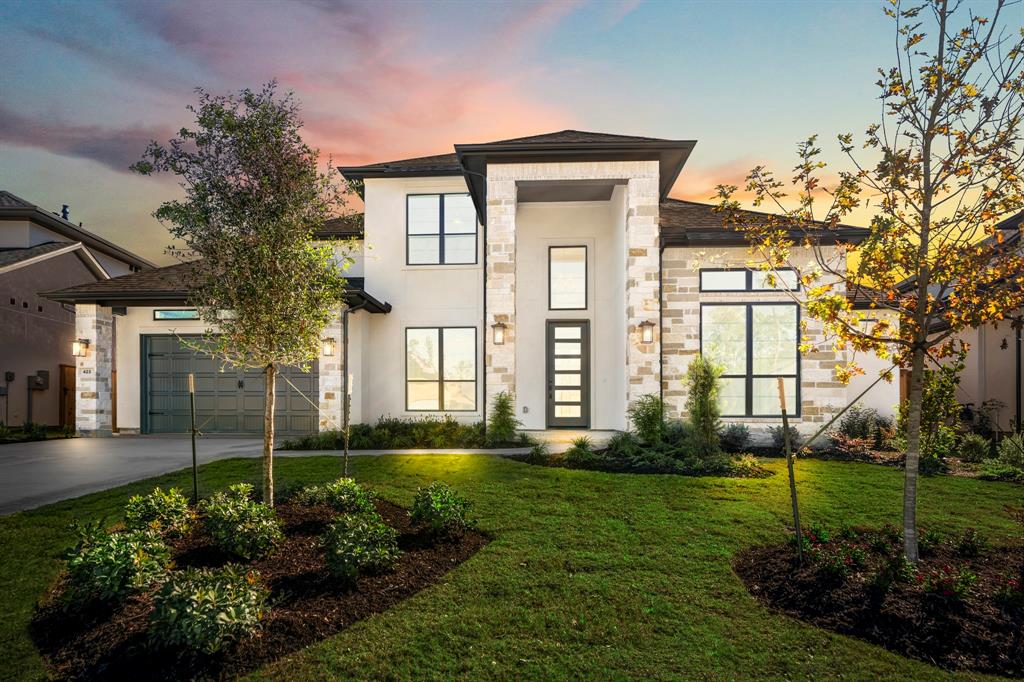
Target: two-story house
{"points": [[42, 251], [552, 267]]}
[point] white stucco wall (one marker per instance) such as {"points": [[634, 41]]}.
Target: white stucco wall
{"points": [[422, 296], [600, 227], [990, 369], [884, 396]]}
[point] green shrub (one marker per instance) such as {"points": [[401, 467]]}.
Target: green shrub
{"points": [[838, 559], [940, 416], [779, 439], [970, 544], [392, 433], [994, 470], [343, 495], [702, 405], [5, 431], [581, 453], [539, 454], [502, 423], [647, 415], [167, 513], [441, 511], [1010, 594], [623, 445], [204, 609], [947, 582], [747, 466], [974, 448], [110, 566], [860, 422], [894, 569], [734, 438], [1011, 451], [359, 543], [676, 433], [927, 542], [239, 525]]}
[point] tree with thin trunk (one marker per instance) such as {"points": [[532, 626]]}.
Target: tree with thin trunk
{"points": [[938, 172], [254, 196]]}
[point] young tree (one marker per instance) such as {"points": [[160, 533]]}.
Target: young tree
{"points": [[944, 164], [253, 197]]}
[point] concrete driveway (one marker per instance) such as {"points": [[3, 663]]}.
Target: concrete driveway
{"points": [[34, 474]]}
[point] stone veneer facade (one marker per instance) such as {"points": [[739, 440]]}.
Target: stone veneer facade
{"points": [[93, 373], [821, 394], [640, 260]]}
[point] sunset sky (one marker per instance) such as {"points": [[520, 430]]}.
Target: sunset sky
{"points": [[86, 85]]}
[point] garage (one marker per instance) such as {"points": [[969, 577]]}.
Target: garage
{"points": [[228, 399]]}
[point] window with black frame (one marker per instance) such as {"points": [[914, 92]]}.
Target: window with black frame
{"points": [[440, 229], [755, 344], [440, 369]]}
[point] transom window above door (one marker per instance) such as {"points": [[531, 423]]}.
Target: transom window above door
{"points": [[440, 229], [567, 278]]}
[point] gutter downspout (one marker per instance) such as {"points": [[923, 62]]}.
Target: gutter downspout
{"points": [[346, 399]]}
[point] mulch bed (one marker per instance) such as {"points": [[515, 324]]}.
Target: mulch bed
{"points": [[306, 604], [976, 634]]}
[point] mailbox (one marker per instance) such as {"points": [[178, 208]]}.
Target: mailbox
{"points": [[40, 381]]}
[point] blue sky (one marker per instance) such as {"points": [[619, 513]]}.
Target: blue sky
{"points": [[86, 84]]}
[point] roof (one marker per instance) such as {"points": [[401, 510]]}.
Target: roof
{"points": [[13, 207], [691, 223], [169, 285], [342, 227], [15, 258]]}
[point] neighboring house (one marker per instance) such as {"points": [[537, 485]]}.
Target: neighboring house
{"points": [[42, 251], [552, 267]]}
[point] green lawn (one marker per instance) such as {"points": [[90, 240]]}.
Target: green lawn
{"points": [[589, 574]]}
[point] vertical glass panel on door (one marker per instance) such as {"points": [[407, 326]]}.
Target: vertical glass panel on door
{"points": [[724, 336], [567, 277]]}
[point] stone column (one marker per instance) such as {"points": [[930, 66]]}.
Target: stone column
{"points": [[643, 375], [500, 361], [93, 377], [331, 381]]}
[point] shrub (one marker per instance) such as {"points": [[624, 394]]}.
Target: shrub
{"points": [[343, 495], [894, 569], [702, 405], [502, 423], [948, 582], [940, 416], [845, 447], [1010, 594], [859, 422], [167, 513], [539, 454], [359, 543], [676, 433], [239, 525], [623, 445], [109, 566], [778, 439], [394, 433], [838, 559], [440, 510], [581, 453], [928, 541], [1011, 451], [203, 609], [747, 466], [974, 448], [734, 438], [994, 470], [647, 415], [970, 544]]}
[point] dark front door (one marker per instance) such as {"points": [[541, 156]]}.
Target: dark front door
{"points": [[568, 353], [228, 399]]}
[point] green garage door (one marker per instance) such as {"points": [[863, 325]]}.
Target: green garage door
{"points": [[228, 401]]}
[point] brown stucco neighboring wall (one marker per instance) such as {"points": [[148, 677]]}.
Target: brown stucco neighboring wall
{"points": [[31, 339], [821, 395]]}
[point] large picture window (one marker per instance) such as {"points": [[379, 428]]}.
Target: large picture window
{"points": [[567, 278], [440, 369], [755, 343], [440, 229]]}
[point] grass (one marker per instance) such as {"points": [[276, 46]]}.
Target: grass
{"points": [[589, 575]]}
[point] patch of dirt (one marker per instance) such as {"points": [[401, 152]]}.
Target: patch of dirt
{"points": [[976, 634], [306, 604]]}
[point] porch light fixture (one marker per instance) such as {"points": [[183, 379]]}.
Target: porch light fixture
{"points": [[329, 347], [79, 347], [499, 333], [646, 331]]}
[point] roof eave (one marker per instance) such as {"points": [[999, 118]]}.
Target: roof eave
{"points": [[722, 237], [52, 222]]}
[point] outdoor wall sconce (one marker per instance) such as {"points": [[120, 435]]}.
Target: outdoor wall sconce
{"points": [[79, 347], [646, 332], [328, 347], [499, 333]]}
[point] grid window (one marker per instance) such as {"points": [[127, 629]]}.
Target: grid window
{"points": [[440, 229], [755, 344], [440, 369]]}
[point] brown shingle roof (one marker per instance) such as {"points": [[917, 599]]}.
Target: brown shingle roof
{"points": [[342, 227], [685, 223], [13, 256]]}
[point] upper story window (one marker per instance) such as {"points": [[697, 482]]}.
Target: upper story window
{"points": [[440, 229], [748, 280], [567, 278]]}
